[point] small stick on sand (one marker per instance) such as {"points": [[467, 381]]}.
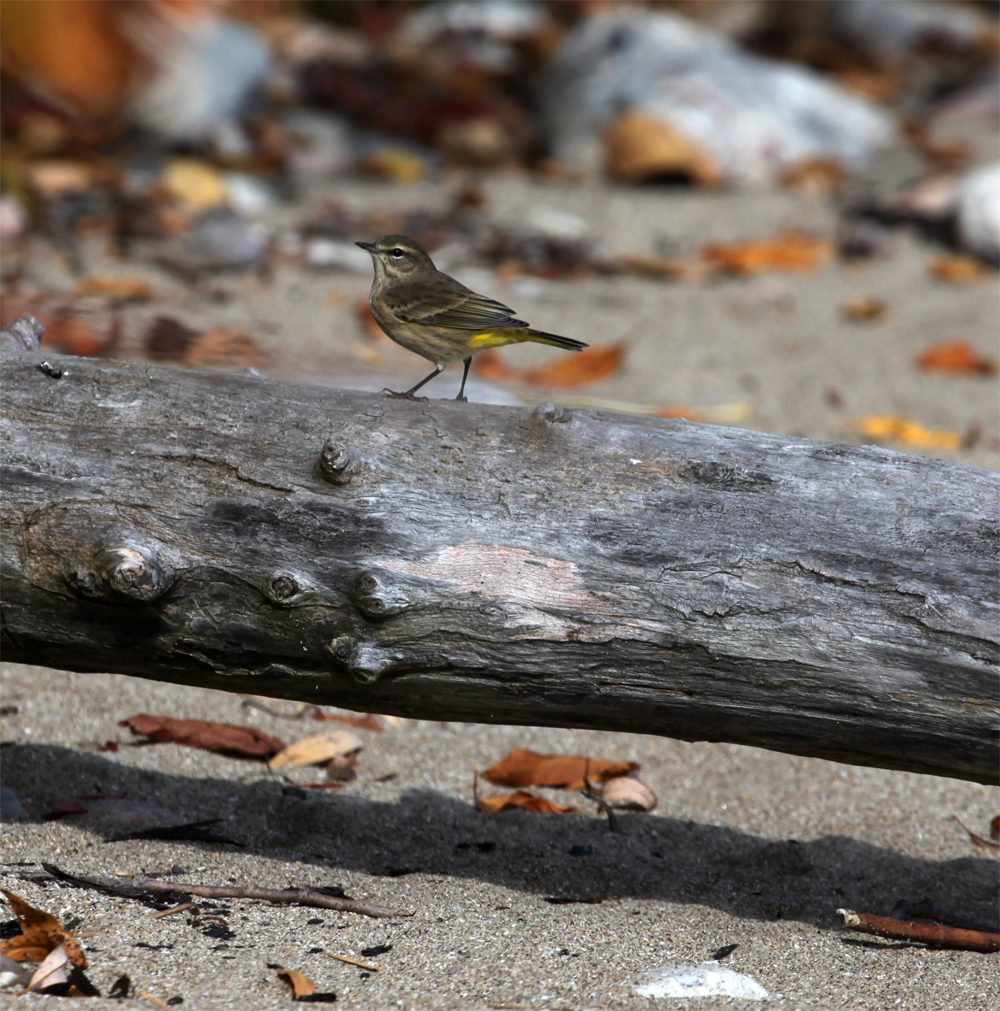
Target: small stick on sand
{"points": [[146, 889], [354, 961], [926, 933], [172, 910]]}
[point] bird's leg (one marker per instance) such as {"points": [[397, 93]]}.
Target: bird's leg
{"points": [[465, 375], [408, 395]]}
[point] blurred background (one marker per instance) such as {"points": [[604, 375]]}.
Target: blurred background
{"points": [[771, 214]]}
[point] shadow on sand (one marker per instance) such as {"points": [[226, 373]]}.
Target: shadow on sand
{"points": [[568, 858]]}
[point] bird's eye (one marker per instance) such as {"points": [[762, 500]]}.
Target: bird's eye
{"points": [[397, 252]]}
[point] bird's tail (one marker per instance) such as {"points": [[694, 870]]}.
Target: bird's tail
{"points": [[541, 337]]}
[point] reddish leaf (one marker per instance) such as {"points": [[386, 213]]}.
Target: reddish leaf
{"points": [[168, 339], [219, 346], [71, 336], [40, 934], [523, 800], [958, 357], [523, 767], [958, 269], [588, 366], [790, 251], [224, 738]]}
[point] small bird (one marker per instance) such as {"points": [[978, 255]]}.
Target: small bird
{"points": [[437, 317]]}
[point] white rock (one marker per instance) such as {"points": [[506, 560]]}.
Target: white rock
{"points": [[706, 980]]}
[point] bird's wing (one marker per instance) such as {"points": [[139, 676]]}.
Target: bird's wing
{"points": [[445, 302]]}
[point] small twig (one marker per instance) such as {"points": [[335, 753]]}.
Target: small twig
{"points": [[590, 795], [353, 961], [926, 933], [172, 910], [147, 889], [154, 1000]]}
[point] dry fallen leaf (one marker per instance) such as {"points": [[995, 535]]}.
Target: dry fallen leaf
{"points": [[624, 792], [885, 427], [995, 828], [196, 184], [959, 357], [667, 267], [301, 984], [224, 738], [167, 339], [523, 800], [639, 146], [588, 366], [116, 287], [219, 346], [337, 749], [523, 767], [52, 969], [40, 935], [72, 336], [958, 269], [790, 251], [865, 309]]}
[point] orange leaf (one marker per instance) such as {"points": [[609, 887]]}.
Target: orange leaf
{"points": [[864, 309], [523, 800], [883, 427], [118, 288], [301, 984], [959, 357], [523, 767], [588, 366], [224, 738], [790, 251], [40, 934], [72, 336], [957, 269], [219, 346], [492, 367]]}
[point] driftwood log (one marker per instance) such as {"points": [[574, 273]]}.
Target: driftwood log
{"points": [[494, 564]]}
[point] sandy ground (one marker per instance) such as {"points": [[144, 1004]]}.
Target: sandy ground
{"points": [[746, 847]]}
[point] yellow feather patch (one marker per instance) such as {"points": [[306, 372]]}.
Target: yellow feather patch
{"points": [[496, 339]]}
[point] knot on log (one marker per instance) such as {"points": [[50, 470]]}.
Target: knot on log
{"points": [[364, 661], [377, 596], [549, 414], [339, 464], [133, 574], [22, 334], [283, 588]]}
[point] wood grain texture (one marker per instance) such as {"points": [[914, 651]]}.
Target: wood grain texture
{"points": [[495, 564]]}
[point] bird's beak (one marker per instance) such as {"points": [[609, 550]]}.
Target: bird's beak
{"points": [[369, 246]]}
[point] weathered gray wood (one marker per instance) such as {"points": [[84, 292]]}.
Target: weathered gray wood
{"points": [[496, 564]]}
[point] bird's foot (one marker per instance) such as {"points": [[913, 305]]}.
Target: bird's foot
{"points": [[462, 400], [405, 396]]}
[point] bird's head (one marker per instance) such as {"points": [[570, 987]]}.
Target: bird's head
{"points": [[397, 256]]}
